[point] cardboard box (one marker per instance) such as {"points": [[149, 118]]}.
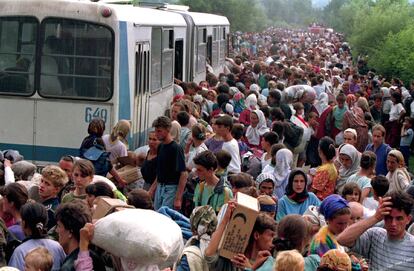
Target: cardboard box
{"points": [[128, 173], [105, 206], [130, 159], [237, 234]]}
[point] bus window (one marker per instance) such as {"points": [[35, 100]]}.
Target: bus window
{"points": [[18, 37], [167, 57], [156, 48], [76, 60], [201, 50]]}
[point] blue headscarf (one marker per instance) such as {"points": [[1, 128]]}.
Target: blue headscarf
{"points": [[331, 204]]}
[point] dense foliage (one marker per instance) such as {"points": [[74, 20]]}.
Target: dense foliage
{"points": [[381, 31]]}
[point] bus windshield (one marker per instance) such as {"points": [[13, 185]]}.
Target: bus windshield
{"points": [[18, 36]]}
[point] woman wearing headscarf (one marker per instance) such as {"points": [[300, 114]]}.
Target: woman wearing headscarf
{"points": [[203, 222], [336, 85], [283, 165], [337, 216], [116, 142], [397, 175], [349, 159], [251, 104], [256, 129], [386, 104], [297, 198], [354, 118]]}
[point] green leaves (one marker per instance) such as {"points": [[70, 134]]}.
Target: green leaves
{"points": [[255, 15], [377, 29]]}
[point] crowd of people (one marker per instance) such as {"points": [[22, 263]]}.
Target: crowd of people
{"points": [[322, 142]]}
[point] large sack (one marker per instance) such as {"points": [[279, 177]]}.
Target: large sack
{"points": [[144, 237]]}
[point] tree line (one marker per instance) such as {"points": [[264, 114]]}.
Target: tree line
{"points": [[380, 31]]}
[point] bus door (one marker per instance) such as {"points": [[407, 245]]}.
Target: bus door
{"points": [[179, 60], [142, 95]]}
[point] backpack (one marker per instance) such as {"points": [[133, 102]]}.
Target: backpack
{"points": [[293, 135], [251, 164], [7, 248], [218, 189], [99, 158]]}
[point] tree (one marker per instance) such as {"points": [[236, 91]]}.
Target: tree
{"points": [[244, 15], [293, 12], [395, 57], [371, 30]]}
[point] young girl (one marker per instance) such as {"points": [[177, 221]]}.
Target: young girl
{"points": [[83, 172], [352, 192], [363, 177], [34, 219], [268, 140]]}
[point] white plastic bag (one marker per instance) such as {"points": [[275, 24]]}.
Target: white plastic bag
{"points": [[141, 236]]}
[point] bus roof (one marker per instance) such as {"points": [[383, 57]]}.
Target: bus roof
{"points": [[208, 19], [90, 11]]}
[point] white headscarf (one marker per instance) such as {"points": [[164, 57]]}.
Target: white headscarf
{"points": [[251, 102], [345, 173], [322, 103], [284, 160], [253, 134]]}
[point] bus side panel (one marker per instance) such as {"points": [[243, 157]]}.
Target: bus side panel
{"points": [[63, 134], [17, 125]]}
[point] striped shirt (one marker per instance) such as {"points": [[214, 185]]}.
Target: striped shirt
{"points": [[384, 254]]}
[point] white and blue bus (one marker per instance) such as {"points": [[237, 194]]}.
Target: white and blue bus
{"points": [[64, 62]]}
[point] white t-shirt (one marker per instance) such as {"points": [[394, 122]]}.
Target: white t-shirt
{"points": [[396, 111], [117, 148], [265, 162], [232, 147], [193, 153]]}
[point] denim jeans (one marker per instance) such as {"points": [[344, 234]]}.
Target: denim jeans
{"points": [[165, 196]]}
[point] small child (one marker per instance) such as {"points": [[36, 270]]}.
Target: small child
{"points": [[268, 140], [351, 192], [406, 138], [38, 259], [289, 260], [237, 132]]}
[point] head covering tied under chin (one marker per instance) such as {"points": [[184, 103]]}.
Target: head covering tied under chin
{"points": [[331, 204], [203, 222], [297, 197]]}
